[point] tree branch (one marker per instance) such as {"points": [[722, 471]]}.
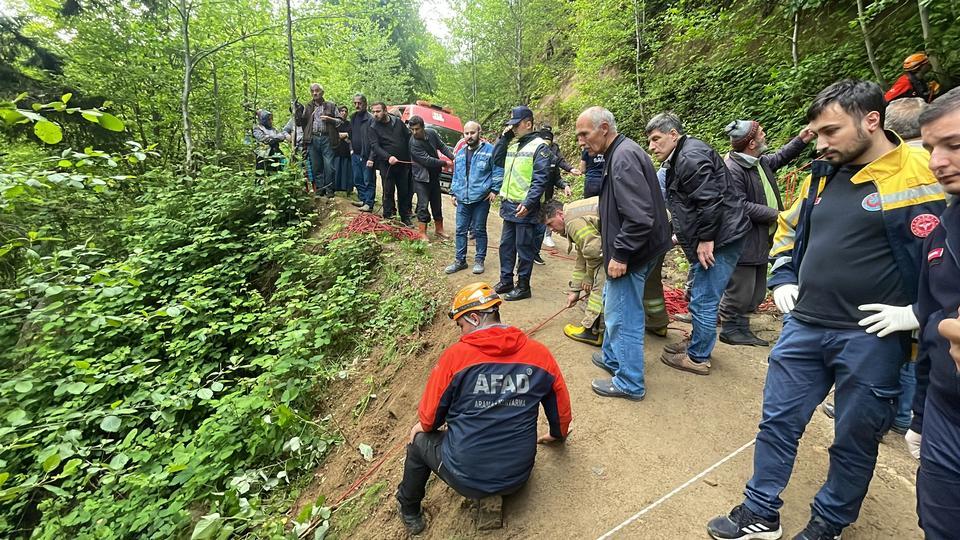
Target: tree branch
{"points": [[203, 54]]}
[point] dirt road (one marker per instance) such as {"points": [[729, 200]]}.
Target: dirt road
{"points": [[625, 458]]}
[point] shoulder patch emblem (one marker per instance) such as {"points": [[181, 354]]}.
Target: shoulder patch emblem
{"points": [[923, 225], [871, 203]]}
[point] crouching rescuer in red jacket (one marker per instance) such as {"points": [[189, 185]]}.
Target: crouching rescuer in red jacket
{"points": [[487, 388]]}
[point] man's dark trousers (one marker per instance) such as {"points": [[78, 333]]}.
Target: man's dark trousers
{"points": [[429, 194], [938, 479], [517, 242], [396, 183], [365, 181], [804, 364], [424, 456], [744, 293]]}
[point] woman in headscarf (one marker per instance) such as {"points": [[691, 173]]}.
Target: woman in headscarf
{"points": [[342, 165], [268, 142]]}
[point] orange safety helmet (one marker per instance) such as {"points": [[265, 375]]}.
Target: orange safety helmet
{"points": [[477, 296], [915, 61]]}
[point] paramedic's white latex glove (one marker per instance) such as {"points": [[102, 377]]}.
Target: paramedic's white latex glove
{"points": [[913, 443], [888, 319], [785, 297]]}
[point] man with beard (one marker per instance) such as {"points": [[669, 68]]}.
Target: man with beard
{"points": [[362, 160], [851, 244], [390, 143], [936, 404], [475, 184], [425, 146], [754, 178]]}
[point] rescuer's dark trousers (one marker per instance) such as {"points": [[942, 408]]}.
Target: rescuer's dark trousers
{"points": [[424, 456], [518, 247]]}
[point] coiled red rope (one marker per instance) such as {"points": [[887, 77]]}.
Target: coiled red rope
{"points": [[675, 300], [367, 223]]}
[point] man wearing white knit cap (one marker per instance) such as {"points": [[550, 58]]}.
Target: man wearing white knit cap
{"points": [[754, 178]]}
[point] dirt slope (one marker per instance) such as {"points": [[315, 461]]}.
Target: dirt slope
{"points": [[621, 456]]}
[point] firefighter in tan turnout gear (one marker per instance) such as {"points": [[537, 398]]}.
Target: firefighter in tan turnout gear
{"points": [[579, 223]]}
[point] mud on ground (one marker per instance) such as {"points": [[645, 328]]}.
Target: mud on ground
{"points": [[621, 456]]}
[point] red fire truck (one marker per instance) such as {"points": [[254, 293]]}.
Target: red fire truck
{"points": [[441, 119]]}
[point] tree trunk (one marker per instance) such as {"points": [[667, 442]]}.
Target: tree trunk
{"points": [[184, 11], [516, 12], [293, 81], [138, 112], [794, 52], [636, 35], [217, 119], [869, 45], [473, 73], [944, 78]]}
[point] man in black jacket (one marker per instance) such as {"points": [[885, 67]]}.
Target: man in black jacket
{"points": [[709, 222], [424, 145], [634, 235], [363, 176], [936, 403], [390, 144], [557, 164], [754, 179]]}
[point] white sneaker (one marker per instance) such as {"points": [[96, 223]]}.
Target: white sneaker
{"points": [[364, 208], [548, 241]]}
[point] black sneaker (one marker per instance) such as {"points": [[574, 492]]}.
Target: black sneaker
{"points": [[742, 524], [818, 529], [537, 259], [503, 287], [414, 523]]}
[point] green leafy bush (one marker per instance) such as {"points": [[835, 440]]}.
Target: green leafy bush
{"points": [[174, 374]]}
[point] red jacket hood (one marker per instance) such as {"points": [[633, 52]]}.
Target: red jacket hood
{"points": [[497, 340]]}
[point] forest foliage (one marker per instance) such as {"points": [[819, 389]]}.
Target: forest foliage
{"points": [[169, 317]]}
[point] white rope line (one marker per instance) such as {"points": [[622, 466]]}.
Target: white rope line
{"points": [[678, 489]]}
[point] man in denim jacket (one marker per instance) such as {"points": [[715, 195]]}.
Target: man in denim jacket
{"points": [[476, 182]]}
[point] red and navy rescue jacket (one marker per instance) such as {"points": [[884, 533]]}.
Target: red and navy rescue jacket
{"points": [[938, 379], [488, 388]]}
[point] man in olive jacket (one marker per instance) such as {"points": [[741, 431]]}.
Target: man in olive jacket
{"points": [[754, 178], [709, 222], [634, 235]]}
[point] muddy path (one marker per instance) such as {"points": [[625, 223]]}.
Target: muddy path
{"points": [[621, 468]]}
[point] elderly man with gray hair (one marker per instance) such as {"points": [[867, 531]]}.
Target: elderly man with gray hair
{"points": [[319, 120], [634, 235], [903, 117]]}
